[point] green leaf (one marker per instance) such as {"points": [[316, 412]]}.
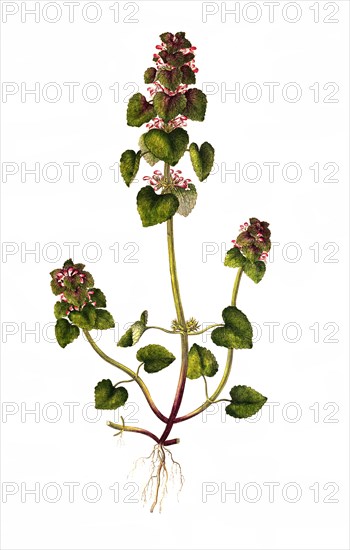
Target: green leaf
{"points": [[65, 332], [129, 165], [104, 320], [170, 78], [109, 397], [139, 110], [168, 107], [167, 146], [60, 309], [187, 199], [85, 318], [255, 270], [153, 208], [237, 332], [234, 258], [188, 76], [154, 357], [98, 297], [202, 159], [150, 75], [176, 59], [151, 159], [201, 362], [245, 402], [134, 333], [196, 104]]}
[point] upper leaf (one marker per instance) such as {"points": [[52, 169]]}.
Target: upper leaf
{"points": [[98, 298], [151, 159], [196, 104], [168, 147], [109, 397], [237, 332], [134, 333], [167, 106], [85, 318], [234, 258], [153, 208], [202, 159], [187, 199], [188, 76], [65, 332], [170, 78], [150, 75], [255, 270], [104, 320], [201, 362], [129, 165], [154, 357], [245, 402], [139, 110]]}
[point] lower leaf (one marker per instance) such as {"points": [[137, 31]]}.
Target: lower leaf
{"points": [[245, 402], [109, 397]]}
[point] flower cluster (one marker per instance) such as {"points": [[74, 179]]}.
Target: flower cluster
{"points": [[158, 180], [73, 285], [254, 240], [177, 122]]}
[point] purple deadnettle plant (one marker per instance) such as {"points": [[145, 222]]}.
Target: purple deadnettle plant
{"points": [[172, 102]]}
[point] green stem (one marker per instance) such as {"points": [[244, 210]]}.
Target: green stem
{"points": [[164, 330], [181, 320], [228, 365], [205, 329], [128, 371]]}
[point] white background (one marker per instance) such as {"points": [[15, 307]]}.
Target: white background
{"points": [[302, 444]]}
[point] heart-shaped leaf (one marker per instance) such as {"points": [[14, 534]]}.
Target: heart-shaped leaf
{"points": [[134, 333], [188, 76], [176, 59], [234, 258], [167, 146], [139, 110], [65, 332], [187, 199], [245, 402], [196, 104], [129, 165], [168, 106], [153, 208], [104, 320], [150, 75], [85, 318], [151, 159], [97, 297], [255, 270], [237, 332], [109, 397], [202, 159], [154, 357], [201, 362], [170, 78], [60, 309]]}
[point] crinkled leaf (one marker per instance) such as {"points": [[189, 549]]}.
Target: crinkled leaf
{"points": [[129, 165], [168, 107], [237, 332], [196, 104], [170, 78], [234, 258], [245, 402], [109, 397], [187, 199], [151, 159], [150, 75], [65, 332], [255, 270], [202, 159], [60, 309], [139, 110], [176, 59], [153, 208], [201, 362], [167, 146], [188, 76], [85, 318], [154, 357], [104, 320], [98, 297]]}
